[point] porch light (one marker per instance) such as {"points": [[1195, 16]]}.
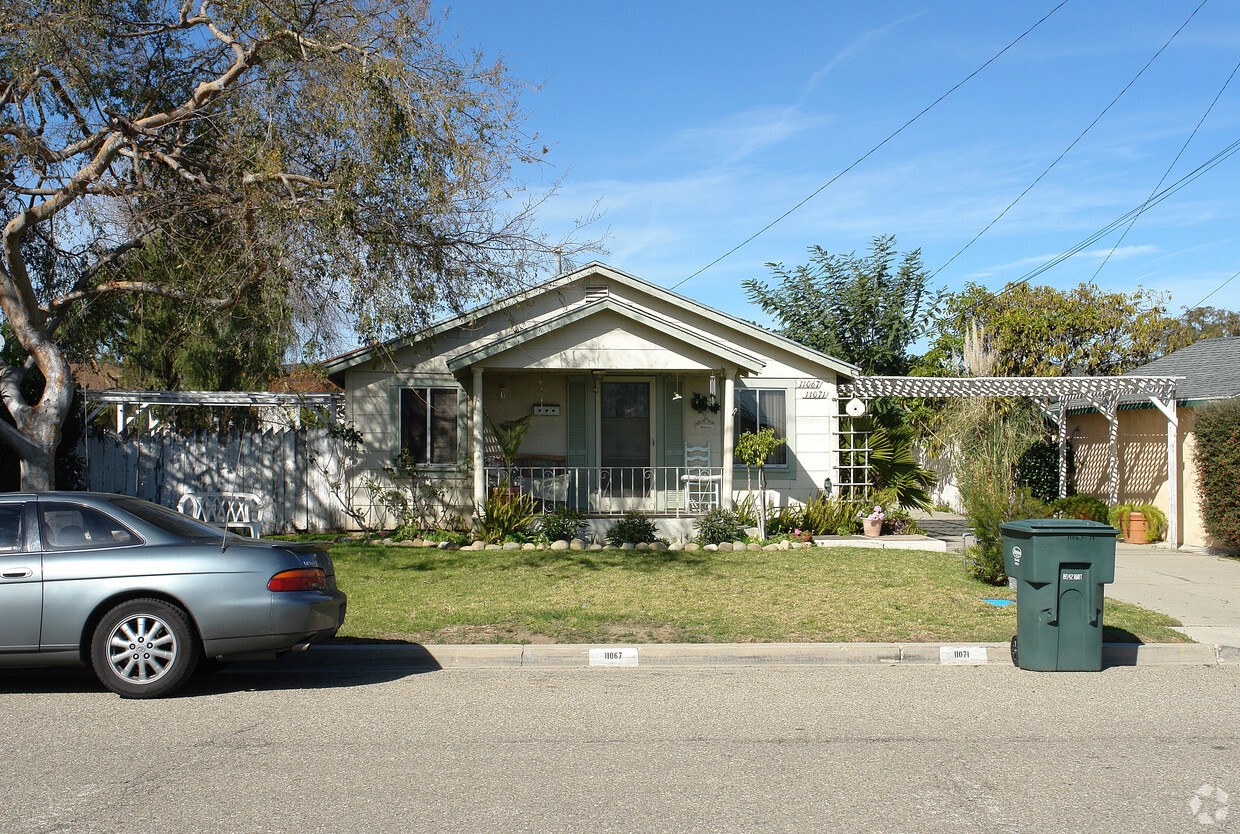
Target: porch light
{"points": [[676, 390], [713, 390], [503, 390]]}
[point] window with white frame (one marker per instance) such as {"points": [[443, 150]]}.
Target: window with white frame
{"points": [[428, 425], [763, 408]]}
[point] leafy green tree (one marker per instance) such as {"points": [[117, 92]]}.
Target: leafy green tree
{"points": [[1043, 331], [344, 151], [865, 310], [1209, 323], [754, 448]]}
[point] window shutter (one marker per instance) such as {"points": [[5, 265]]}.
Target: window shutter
{"points": [[577, 452]]}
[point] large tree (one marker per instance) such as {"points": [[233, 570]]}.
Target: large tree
{"points": [[1043, 331], [338, 149], [866, 310]]}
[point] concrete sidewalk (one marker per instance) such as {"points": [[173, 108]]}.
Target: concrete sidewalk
{"points": [[1200, 590]]}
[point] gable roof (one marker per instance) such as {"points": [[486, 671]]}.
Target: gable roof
{"points": [[522, 333], [1210, 369], [345, 361]]}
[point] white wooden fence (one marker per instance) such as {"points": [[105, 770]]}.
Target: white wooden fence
{"points": [[292, 470]]}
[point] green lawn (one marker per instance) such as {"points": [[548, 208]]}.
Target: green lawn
{"points": [[809, 595]]}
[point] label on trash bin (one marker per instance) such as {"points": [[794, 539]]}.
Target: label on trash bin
{"points": [[613, 657], [1071, 577], [962, 655], [1016, 556]]}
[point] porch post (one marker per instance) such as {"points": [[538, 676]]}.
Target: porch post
{"points": [[729, 408], [480, 475]]}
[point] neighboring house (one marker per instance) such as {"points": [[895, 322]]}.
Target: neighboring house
{"points": [[610, 367], [1209, 370]]}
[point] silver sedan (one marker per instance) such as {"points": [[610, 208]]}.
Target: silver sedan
{"points": [[144, 595]]}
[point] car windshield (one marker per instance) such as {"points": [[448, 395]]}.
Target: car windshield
{"points": [[170, 521]]}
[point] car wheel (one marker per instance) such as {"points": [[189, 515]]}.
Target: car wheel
{"points": [[144, 648]]}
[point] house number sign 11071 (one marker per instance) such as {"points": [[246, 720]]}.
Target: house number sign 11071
{"points": [[811, 389]]}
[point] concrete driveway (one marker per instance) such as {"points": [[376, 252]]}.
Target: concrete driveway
{"points": [[1202, 591]]}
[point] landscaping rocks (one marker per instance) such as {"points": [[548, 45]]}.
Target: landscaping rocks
{"points": [[676, 546], [724, 546], [628, 546], [712, 547], [512, 545], [559, 545], [693, 546], [595, 546], [576, 544]]}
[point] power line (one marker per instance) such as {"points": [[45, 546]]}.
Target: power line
{"points": [[1066, 150], [1170, 168], [1213, 291], [1201, 169], [872, 150]]}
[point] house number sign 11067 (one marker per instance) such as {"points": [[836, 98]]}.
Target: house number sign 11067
{"points": [[811, 389]]}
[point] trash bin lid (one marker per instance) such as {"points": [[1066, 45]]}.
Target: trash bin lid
{"points": [[1057, 526]]}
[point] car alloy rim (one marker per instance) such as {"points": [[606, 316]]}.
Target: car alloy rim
{"points": [[141, 649]]}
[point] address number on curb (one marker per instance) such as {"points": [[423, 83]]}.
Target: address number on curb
{"points": [[962, 655], [613, 657]]}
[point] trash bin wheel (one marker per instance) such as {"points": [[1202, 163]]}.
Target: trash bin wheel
{"points": [[1014, 661]]}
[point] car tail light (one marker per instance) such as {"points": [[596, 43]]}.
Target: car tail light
{"points": [[299, 579]]}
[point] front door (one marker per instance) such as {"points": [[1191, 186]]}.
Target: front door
{"points": [[625, 445]]}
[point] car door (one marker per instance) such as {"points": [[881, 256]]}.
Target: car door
{"points": [[21, 578]]}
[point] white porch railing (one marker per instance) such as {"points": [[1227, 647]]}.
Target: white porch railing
{"points": [[615, 490]]}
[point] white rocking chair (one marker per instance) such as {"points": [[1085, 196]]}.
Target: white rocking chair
{"points": [[702, 487]]}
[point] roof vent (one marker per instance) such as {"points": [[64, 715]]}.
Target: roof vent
{"points": [[596, 294]]}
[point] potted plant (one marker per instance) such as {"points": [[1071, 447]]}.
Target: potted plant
{"points": [[872, 524], [1139, 523]]}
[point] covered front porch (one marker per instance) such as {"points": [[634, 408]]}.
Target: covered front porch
{"points": [[609, 442], [629, 409]]}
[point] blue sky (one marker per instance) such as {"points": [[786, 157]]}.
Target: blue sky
{"points": [[692, 125]]}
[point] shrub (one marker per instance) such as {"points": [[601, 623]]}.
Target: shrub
{"points": [[784, 521], [719, 525], [633, 527], [506, 516], [562, 524], [1038, 469], [1217, 456], [1084, 507], [987, 510], [900, 523]]}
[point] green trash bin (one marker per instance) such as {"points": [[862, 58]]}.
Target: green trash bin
{"points": [[1060, 566]]}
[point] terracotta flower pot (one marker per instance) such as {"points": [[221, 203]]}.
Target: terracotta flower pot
{"points": [[873, 527], [1134, 530]]}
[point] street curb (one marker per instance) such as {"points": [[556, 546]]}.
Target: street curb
{"points": [[675, 655]]}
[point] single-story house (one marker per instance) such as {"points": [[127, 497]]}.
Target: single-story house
{"points": [[1208, 370], [636, 395]]}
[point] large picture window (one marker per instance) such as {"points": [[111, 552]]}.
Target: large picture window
{"points": [[428, 425], [763, 408]]}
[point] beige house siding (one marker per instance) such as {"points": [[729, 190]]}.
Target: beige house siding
{"points": [[1142, 447]]}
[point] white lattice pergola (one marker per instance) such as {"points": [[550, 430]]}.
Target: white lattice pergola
{"points": [[129, 404], [1054, 395]]}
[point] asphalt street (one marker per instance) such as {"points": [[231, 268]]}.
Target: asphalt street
{"points": [[342, 745]]}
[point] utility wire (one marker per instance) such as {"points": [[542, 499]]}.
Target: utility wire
{"points": [[872, 150], [1213, 291], [1167, 173], [1074, 141], [1201, 169]]}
